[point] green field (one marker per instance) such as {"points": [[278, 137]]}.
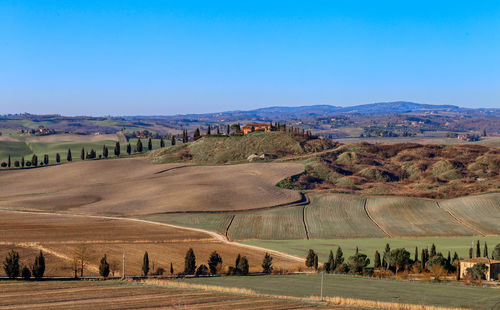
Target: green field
{"points": [[18, 149], [449, 295], [368, 246], [217, 222]]}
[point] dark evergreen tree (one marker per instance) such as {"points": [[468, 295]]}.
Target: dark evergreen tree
{"points": [[16, 164], [68, 156], [376, 260], [316, 262], [416, 254], [150, 144], [478, 249], [145, 264], [171, 268], [172, 142], [228, 130], [162, 142], [38, 268], [129, 149], [190, 262], [26, 273], [208, 131], [34, 160], [218, 130], [214, 261], [22, 162], [330, 265], [117, 149], [196, 134], [139, 146], [58, 158], [105, 153], [11, 264], [384, 257], [339, 257], [470, 252], [202, 270], [104, 267], [46, 159], [310, 258], [236, 265], [8, 162], [243, 266], [485, 250], [433, 250], [267, 264], [82, 154]]}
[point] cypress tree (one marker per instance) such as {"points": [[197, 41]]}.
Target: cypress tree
{"points": [[243, 266], [228, 130], [357, 251], [104, 267], [237, 264], [150, 144], [171, 268], [22, 162], [139, 146], [82, 154], [190, 262], [196, 134], [331, 263], [267, 264], [218, 130], [310, 258], [58, 158], [162, 142], [316, 262], [46, 159], [105, 151], [433, 250], [34, 160], [385, 257], [376, 261], [416, 254], [478, 249], [68, 156], [145, 264], [8, 162], [39, 266], [26, 273], [339, 257], [485, 250], [470, 252], [172, 142], [208, 131], [129, 149], [117, 149]]}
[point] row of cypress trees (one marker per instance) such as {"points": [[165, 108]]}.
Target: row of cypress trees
{"points": [[13, 270]]}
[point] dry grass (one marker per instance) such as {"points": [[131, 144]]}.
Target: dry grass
{"points": [[60, 235], [133, 187], [72, 138]]}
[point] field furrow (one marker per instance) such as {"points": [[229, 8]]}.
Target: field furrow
{"points": [[407, 217]]}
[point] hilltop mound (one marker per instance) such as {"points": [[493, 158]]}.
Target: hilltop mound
{"points": [[223, 149], [410, 169]]}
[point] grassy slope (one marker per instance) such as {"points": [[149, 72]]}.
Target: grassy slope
{"points": [[407, 217], [339, 216], [364, 288], [210, 221], [278, 223], [368, 246], [482, 212]]}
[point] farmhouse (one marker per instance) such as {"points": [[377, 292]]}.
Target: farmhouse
{"points": [[492, 273], [255, 127]]}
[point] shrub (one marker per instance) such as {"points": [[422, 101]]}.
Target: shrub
{"points": [[202, 271], [267, 264], [26, 273], [358, 262]]}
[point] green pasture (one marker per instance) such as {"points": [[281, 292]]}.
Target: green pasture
{"points": [[400, 291], [368, 246]]}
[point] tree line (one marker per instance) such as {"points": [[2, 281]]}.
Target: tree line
{"points": [[392, 261]]}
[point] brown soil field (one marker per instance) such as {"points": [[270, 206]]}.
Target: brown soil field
{"points": [[59, 236], [133, 187], [128, 295]]}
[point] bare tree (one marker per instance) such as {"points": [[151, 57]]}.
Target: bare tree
{"points": [[81, 256]]}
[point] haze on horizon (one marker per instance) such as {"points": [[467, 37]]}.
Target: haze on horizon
{"points": [[178, 57]]}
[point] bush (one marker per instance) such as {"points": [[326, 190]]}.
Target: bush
{"points": [[26, 273], [358, 262], [4, 164], [202, 271]]}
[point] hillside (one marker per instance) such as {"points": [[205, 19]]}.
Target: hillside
{"points": [[407, 169], [222, 149]]}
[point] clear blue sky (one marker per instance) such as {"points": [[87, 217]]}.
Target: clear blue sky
{"points": [[168, 57]]}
